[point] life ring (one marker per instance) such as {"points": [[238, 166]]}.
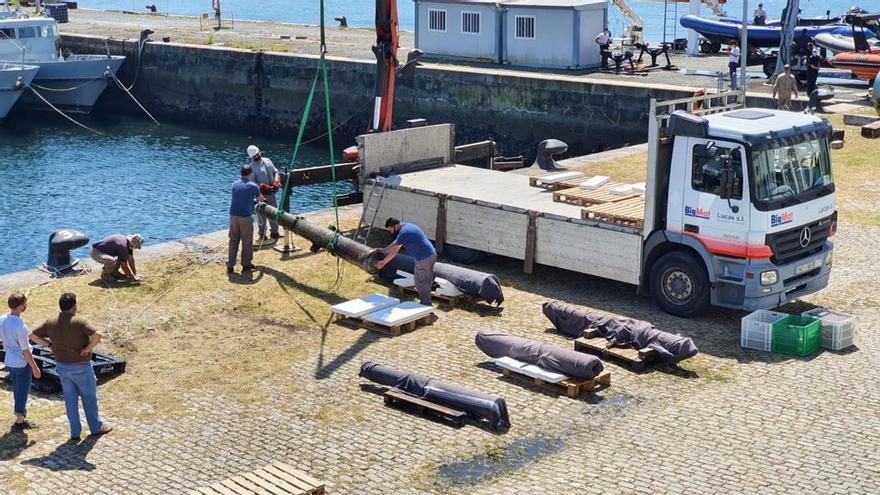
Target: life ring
{"points": [[696, 105]]}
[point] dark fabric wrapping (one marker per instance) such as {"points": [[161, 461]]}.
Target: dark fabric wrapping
{"points": [[550, 357], [478, 404], [638, 334], [483, 285]]}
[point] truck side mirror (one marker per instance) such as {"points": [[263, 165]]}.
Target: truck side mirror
{"points": [[727, 181]]}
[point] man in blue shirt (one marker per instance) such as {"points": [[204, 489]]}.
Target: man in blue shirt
{"points": [[241, 219], [417, 245], [18, 360]]}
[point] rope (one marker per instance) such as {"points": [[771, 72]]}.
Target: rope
{"points": [[68, 117], [64, 90], [122, 87]]}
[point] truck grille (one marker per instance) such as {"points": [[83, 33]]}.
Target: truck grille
{"points": [[786, 245]]}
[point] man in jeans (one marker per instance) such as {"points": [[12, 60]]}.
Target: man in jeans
{"points": [[241, 219], [269, 181], [417, 245], [72, 340], [116, 252], [19, 361]]}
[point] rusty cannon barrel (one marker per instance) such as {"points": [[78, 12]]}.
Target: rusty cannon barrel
{"points": [[354, 252]]}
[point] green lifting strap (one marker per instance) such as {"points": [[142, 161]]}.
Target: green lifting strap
{"points": [[321, 70]]}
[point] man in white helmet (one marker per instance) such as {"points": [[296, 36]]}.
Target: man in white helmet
{"points": [[266, 176]]}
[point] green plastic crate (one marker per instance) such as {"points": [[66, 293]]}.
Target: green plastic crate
{"points": [[797, 334]]}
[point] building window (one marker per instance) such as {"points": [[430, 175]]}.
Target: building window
{"points": [[525, 27], [470, 22], [437, 20]]}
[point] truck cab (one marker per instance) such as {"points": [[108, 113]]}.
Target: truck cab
{"points": [[742, 207]]}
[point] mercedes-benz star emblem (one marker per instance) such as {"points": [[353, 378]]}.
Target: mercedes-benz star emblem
{"points": [[806, 235]]}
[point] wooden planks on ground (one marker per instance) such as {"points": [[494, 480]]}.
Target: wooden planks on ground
{"points": [[587, 197], [454, 416], [628, 213], [571, 386], [392, 330], [273, 479], [634, 359]]}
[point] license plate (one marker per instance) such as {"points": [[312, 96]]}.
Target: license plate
{"points": [[808, 267]]}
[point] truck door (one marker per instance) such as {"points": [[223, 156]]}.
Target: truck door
{"points": [[721, 225]]}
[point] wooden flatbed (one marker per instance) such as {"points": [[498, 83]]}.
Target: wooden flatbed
{"points": [[500, 213]]}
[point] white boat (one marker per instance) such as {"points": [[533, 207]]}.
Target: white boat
{"points": [[14, 78], [73, 83]]}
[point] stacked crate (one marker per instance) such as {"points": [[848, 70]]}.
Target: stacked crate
{"points": [[756, 331], [838, 329]]}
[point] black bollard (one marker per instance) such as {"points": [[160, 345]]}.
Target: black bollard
{"points": [[61, 243]]}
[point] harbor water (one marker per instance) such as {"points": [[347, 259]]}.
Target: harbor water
{"points": [[165, 182], [360, 13]]}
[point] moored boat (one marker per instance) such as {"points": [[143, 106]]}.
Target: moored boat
{"points": [[14, 79], [71, 83]]}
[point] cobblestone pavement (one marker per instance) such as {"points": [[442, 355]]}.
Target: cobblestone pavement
{"points": [[728, 420]]}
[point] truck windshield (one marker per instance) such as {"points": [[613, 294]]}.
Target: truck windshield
{"points": [[792, 173]]}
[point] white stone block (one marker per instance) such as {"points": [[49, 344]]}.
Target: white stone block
{"points": [[595, 181], [356, 308], [399, 314], [560, 177], [530, 370]]}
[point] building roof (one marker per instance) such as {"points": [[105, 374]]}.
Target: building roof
{"points": [[551, 4]]}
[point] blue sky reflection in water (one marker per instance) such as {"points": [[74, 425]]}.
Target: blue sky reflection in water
{"points": [[166, 182], [360, 13]]}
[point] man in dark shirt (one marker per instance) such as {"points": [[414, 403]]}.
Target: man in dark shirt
{"points": [[417, 245], [72, 340], [116, 252], [241, 219], [813, 65]]}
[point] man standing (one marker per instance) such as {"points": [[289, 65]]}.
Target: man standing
{"points": [[19, 361], [814, 62], [267, 178], [72, 340], [241, 219], [603, 39], [760, 15], [784, 87], [116, 252], [733, 63], [417, 245]]}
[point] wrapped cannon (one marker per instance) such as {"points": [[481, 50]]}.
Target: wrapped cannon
{"points": [[549, 357], [572, 322], [477, 404], [483, 285]]}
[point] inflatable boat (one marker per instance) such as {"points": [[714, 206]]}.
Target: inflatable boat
{"points": [[838, 43], [720, 31], [863, 65]]}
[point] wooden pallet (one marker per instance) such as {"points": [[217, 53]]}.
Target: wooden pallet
{"points": [[424, 407], [273, 479], [628, 213], [454, 301], [571, 386], [588, 197], [535, 181], [634, 359], [393, 330]]}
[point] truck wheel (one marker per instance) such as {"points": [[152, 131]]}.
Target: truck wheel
{"points": [[680, 285]]}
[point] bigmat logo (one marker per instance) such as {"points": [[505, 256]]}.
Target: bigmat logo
{"points": [[696, 212], [783, 218]]}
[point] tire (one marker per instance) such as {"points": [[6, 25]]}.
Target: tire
{"points": [[680, 285], [715, 47], [705, 46]]}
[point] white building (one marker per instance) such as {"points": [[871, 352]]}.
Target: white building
{"points": [[534, 33]]}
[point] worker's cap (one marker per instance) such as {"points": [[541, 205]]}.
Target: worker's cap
{"points": [[136, 241], [253, 151]]}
